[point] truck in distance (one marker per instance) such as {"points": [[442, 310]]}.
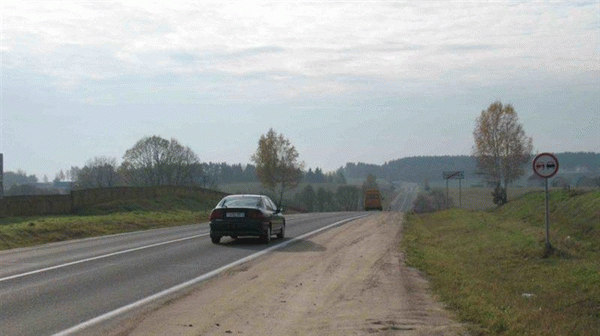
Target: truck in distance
{"points": [[373, 200]]}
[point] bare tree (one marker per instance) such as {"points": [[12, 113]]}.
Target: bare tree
{"points": [[72, 173], [182, 164], [60, 176], [501, 147], [99, 172], [154, 161], [277, 165]]}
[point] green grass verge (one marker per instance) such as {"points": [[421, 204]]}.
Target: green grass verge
{"points": [[103, 219], [489, 266]]}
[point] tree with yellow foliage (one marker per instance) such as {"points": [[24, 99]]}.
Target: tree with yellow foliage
{"points": [[502, 148], [277, 165]]}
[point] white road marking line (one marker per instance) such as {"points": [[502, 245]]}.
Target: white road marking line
{"points": [[403, 203], [194, 281], [20, 275], [408, 196]]}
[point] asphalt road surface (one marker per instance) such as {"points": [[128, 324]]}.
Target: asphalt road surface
{"points": [[404, 199], [67, 288], [348, 280]]}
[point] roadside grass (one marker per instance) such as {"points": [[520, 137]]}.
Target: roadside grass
{"points": [[488, 266], [104, 219]]}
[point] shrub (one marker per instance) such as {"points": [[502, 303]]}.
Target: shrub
{"points": [[436, 200]]}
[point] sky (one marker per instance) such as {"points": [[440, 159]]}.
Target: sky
{"points": [[344, 81]]}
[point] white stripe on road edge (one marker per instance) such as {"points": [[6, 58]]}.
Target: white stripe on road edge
{"points": [[20, 275], [194, 281]]}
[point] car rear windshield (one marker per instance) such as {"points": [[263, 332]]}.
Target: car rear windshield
{"points": [[241, 202]]}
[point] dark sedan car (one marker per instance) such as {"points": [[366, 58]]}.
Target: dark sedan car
{"points": [[246, 215]]}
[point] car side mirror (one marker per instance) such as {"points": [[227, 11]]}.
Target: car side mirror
{"points": [[279, 210]]}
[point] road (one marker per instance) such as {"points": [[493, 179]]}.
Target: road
{"points": [[67, 288], [348, 280], [404, 199]]}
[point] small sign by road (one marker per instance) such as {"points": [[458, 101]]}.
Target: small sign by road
{"points": [[545, 165], [454, 175]]}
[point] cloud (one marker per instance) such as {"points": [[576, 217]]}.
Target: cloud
{"points": [[469, 47], [184, 58], [107, 52], [386, 40]]}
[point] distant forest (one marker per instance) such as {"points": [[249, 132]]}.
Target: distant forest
{"points": [[420, 168], [222, 173], [573, 166]]}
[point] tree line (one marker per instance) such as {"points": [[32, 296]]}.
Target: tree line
{"points": [[155, 161], [344, 198]]}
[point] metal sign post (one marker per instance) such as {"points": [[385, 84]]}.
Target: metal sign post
{"points": [[454, 175], [545, 165]]}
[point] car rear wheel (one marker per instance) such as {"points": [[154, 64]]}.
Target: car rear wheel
{"points": [[267, 236], [215, 239]]}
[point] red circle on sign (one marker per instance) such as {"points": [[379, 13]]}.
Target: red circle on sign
{"points": [[545, 165]]}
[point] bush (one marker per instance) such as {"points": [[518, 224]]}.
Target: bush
{"points": [[499, 195], [436, 200], [423, 204]]}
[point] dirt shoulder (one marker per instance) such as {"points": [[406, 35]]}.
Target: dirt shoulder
{"points": [[349, 280]]}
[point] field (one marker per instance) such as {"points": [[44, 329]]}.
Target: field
{"points": [[490, 268]]}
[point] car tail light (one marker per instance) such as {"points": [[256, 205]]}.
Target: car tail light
{"points": [[216, 214], [256, 214]]}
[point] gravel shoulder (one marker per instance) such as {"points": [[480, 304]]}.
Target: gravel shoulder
{"points": [[350, 280]]}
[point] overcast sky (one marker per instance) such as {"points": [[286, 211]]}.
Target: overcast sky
{"points": [[343, 81]]}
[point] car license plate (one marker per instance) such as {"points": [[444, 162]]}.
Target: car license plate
{"points": [[235, 214]]}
